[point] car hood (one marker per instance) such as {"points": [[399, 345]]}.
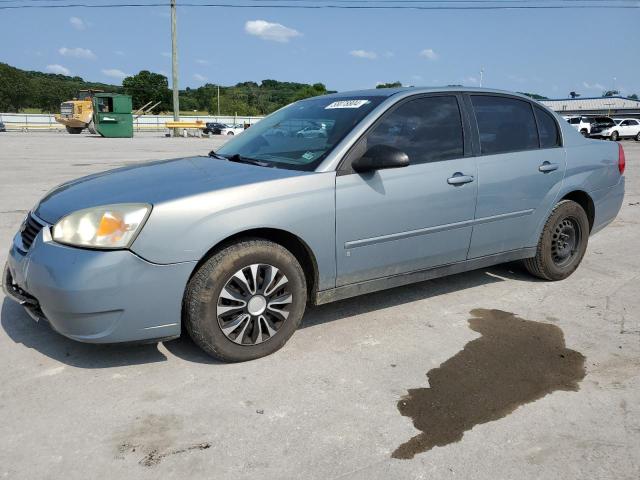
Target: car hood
{"points": [[153, 182]]}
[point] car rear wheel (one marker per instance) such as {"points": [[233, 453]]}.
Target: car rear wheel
{"points": [[229, 133], [584, 133], [562, 244], [245, 301], [638, 137], [74, 130], [614, 136]]}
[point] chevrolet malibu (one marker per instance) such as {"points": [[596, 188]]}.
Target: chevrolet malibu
{"points": [[406, 185]]}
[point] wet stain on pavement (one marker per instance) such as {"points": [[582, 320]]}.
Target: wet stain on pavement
{"points": [[514, 362]]}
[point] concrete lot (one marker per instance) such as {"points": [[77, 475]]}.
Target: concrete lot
{"points": [[326, 405]]}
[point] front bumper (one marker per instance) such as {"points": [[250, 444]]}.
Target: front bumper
{"points": [[96, 296]]}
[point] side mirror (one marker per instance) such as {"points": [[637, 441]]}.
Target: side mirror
{"points": [[379, 157]]}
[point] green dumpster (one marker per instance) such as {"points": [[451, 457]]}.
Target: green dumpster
{"points": [[112, 115]]}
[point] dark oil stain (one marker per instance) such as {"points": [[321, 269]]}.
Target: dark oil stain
{"points": [[514, 362]]}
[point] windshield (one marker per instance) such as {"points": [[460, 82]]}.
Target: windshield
{"points": [[301, 135]]}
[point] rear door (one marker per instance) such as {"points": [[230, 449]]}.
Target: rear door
{"points": [[400, 220], [520, 171]]}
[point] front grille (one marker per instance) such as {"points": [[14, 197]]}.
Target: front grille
{"points": [[30, 228]]}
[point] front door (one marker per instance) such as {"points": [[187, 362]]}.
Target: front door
{"points": [[395, 221]]}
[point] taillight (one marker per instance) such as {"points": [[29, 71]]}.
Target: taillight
{"points": [[621, 159]]}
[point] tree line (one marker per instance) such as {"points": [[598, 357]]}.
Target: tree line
{"points": [[21, 89]]}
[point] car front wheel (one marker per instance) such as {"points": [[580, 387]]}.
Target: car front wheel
{"points": [[562, 244], [245, 301], [614, 136]]}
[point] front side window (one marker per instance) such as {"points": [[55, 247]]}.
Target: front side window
{"points": [[574, 121], [427, 129], [504, 124], [301, 135], [547, 129]]}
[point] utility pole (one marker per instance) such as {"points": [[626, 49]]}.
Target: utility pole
{"points": [[174, 67], [481, 75], [218, 100]]}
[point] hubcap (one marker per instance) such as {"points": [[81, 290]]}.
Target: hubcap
{"points": [[565, 241], [254, 304]]}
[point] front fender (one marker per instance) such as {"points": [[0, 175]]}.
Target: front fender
{"points": [[186, 229]]}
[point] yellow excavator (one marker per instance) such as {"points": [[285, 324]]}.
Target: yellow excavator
{"points": [[77, 114]]}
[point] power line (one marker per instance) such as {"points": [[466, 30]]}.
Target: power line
{"points": [[504, 6]]}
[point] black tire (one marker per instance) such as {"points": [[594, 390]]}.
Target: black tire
{"points": [[614, 136], [230, 133], [584, 133], [548, 263], [92, 128], [638, 137], [200, 306], [74, 130]]}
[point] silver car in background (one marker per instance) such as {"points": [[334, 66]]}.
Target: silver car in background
{"points": [[406, 185]]}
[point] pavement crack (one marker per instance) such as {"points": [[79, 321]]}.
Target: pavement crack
{"points": [[154, 457]]}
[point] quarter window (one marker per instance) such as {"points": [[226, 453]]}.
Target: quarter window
{"points": [[547, 129], [427, 129], [505, 124]]}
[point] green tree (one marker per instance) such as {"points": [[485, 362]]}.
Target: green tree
{"points": [[611, 93], [147, 87], [633, 96], [389, 85]]}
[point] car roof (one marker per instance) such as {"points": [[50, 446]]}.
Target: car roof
{"points": [[388, 92]]}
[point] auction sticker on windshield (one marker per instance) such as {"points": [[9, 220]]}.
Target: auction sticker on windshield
{"points": [[346, 104]]}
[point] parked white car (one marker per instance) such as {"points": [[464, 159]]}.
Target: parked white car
{"points": [[623, 128], [585, 124], [232, 129]]}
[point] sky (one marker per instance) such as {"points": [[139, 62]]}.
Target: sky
{"points": [[550, 52]]}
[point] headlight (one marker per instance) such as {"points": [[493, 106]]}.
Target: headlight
{"points": [[108, 226]]}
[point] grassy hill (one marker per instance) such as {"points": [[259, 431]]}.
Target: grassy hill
{"points": [[31, 91]]}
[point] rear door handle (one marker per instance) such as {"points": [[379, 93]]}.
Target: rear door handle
{"points": [[547, 167], [459, 179]]}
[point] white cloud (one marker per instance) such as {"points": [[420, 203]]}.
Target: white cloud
{"points": [[471, 80], [363, 54], [166, 54], [78, 23], [55, 68], [198, 77], [114, 72], [77, 53], [429, 54], [593, 86], [389, 54], [270, 31], [201, 61]]}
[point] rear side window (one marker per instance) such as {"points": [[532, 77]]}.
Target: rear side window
{"points": [[547, 129], [427, 129], [574, 121], [505, 124]]}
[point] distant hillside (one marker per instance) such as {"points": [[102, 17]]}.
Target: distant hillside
{"points": [[21, 89]]}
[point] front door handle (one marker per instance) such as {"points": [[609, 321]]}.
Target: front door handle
{"points": [[547, 167], [459, 179]]}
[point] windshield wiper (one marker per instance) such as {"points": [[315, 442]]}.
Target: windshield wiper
{"points": [[213, 154], [239, 159], [251, 161]]}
